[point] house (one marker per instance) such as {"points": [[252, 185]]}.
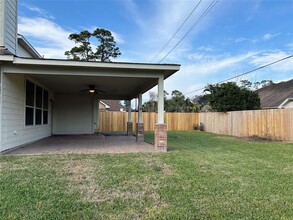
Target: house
{"points": [[277, 95], [42, 97], [110, 105]]}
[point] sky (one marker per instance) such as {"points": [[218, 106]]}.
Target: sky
{"points": [[234, 37]]}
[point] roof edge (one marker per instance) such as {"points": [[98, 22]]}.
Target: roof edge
{"points": [[285, 102], [30, 49]]}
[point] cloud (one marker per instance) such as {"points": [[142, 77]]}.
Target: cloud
{"points": [[268, 57], [50, 39], [242, 39], [209, 64], [118, 37], [40, 12], [290, 45], [269, 36], [207, 68], [158, 25]]}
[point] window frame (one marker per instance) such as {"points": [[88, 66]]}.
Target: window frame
{"points": [[35, 108]]}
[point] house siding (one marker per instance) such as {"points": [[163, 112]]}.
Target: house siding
{"points": [[289, 104], [72, 114], [13, 130], [1, 70], [21, 52], [8, 30]]}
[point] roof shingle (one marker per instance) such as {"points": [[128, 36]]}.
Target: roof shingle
{"points": [[272, 96]]}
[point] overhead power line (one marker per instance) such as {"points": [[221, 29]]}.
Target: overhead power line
{"points": [[209, 8], [171, 38], [245, 73]]}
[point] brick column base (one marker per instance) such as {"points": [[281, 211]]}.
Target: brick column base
{"points": [[139, 132], [161, 137], [129, 128]]}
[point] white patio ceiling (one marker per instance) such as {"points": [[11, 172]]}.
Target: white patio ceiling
{"points": [[118, 80]]}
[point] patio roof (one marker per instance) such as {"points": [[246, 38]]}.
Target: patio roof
{"points": [[118, 80]]}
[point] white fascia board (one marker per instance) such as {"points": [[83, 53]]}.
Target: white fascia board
{"points": [[6, 57], [50, 62], [65, 71], [106, 106], [30, 49]]}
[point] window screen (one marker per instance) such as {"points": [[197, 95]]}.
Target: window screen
{"points": [[30, 93], [39, 97]]}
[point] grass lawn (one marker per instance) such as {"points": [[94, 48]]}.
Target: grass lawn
{"points": [[203, 176]]}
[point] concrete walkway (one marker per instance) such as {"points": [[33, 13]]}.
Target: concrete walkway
{"points": [[84, 144]]}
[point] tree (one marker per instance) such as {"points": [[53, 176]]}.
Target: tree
{"points": [[230, 97], [104, 51], [84, 50], [201, 100], [178, 103], [256, 85], [107, 47], [152, 104]]}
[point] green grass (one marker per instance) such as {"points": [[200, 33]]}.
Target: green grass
{"points": [[203, 176]]}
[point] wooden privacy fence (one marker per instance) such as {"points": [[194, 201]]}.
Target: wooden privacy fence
{"points": [[117, 121], [275, 124]]}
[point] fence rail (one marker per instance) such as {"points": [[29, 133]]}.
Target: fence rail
{"points": [[117, 121], [275, 124]]}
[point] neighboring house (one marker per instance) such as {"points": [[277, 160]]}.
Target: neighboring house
{"points": [[43, 97], [110, 105], [279, 95]]}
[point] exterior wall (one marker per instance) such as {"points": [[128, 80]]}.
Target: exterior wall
{"points": [[8, 30], [288, 104], [72, 114], [102, 107], [13, 130], [1, 69], [21, 52]]}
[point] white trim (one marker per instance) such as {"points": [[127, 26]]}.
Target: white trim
{"points": [[1, 100], [129, 110], [6, 57], [140, 108], [2, 25], [106, 106], [161, 100], [115, 65], [22, 41], [285, 102]]}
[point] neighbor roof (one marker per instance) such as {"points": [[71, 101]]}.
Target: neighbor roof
{"points": [[114, 105], [274, 95]]}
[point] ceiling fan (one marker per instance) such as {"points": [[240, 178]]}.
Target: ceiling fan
{"points": [[92, 90]]}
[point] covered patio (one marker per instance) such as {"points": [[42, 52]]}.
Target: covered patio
{"points": [[71, 112], [84, 144]]}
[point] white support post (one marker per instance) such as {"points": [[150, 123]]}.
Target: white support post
{"points": [[129, 122], [129, 110], [95, 105], [98, 114], [140, 126], [161, 100], [140, 108], [160, 127]]}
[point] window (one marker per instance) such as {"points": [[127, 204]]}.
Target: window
{"points": [[37, 103]]}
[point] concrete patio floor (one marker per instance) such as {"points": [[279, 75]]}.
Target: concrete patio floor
{"points": [[84, 144]]}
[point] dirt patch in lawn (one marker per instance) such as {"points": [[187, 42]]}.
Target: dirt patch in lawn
{"points": [[82, 177], [258, 139], [157, 165], [80, 174]]}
